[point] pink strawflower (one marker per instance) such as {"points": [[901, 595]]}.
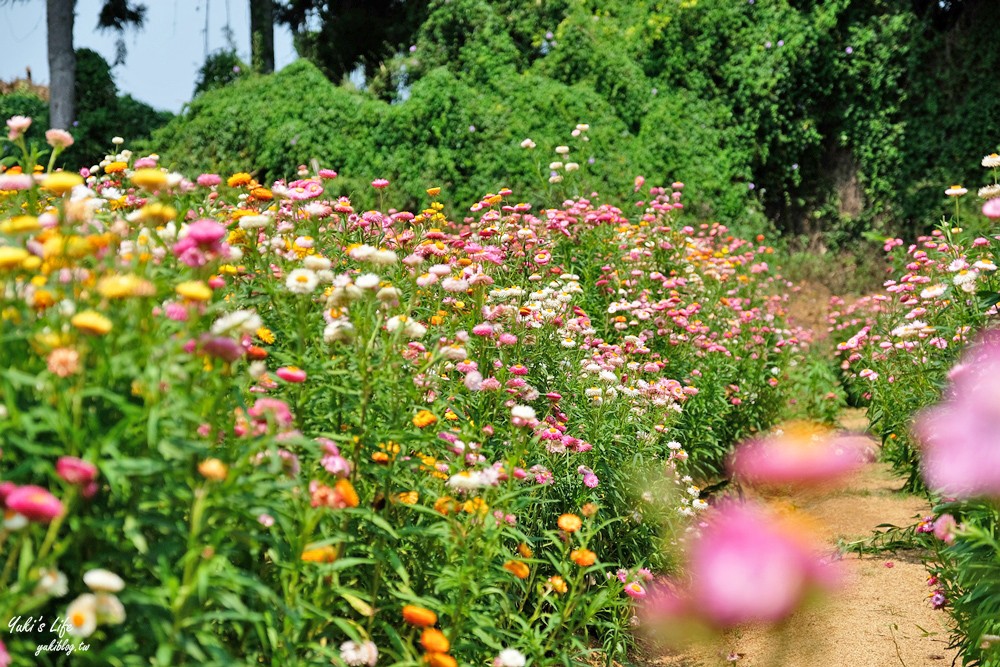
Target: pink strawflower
{"points": [[746, 566], [34, 503], [5, 659], [944, 528], [17, 126], [380, 183], [76, 471], [205, 232], [63, 361], [991, 209], [961, 435], [209, 180], [304, 190], [327, 174], [635, 590], [291, 374], [332, 461], [799, 458], [221, 347], [11, 182], [58, 138]]}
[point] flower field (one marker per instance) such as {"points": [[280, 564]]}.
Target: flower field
{"points": [[245, 423], [923, 357]]}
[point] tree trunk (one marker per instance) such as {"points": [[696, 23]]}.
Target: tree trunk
{"points": [[262, 35], [62, 63]]}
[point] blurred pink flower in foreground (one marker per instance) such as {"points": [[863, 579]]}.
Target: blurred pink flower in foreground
{"points": [[800, 456], [746, 566], [961, 435]]}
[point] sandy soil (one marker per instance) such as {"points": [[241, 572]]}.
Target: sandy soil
{"points": [[881, 618]]}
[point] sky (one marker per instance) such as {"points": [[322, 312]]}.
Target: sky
{"points": [[163, 57]]}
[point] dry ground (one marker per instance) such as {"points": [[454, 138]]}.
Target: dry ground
{"points": [[881, 618]]}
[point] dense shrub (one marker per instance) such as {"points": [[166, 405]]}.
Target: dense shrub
{"points": [[101, 113]]}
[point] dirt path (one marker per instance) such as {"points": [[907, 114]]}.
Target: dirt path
{"points": [[881, 618]]}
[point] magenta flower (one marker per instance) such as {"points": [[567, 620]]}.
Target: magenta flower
{"points": [[944, 528], [34, 503], [991, 209], [746, 566], [209, 180], [291, 374], [58, 138], [76, 471], [17, 126], [961, 435], [799, 459], [15, 181], [380, 183], [221, 347]]}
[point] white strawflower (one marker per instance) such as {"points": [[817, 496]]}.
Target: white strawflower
{"points": [[301, 281], [316, 263], [249, 222], [239, 322], [367, 281], [562, 150], [81, 616], [338, 331], [510, 657], [956, 191], [110, 609], [383, 257], [933, 292], [522, 412], [452, 284], [991, 161], [991, 191], [357, 654], [103, 581], [555, 166], [51, 583], [528, 143], [572, 166], [362, 252]]}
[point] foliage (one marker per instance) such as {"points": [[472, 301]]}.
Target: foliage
{"points": [[220, 69], [298, 421], [900, 350], [101, 113]]}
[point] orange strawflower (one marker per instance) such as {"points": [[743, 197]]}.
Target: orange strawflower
{"points": [[213, 469], [570, 523], [583, 557], [445, 505], [424, 418], [239, 179], [434, 641], [347, 493], [558, 584], [440, 660], [518, 568], [324, 554], [524, 550], [419, 616]]}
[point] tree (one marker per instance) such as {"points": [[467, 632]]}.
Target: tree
{"points": [[262, 35], [352, 32], [60, 18]]}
